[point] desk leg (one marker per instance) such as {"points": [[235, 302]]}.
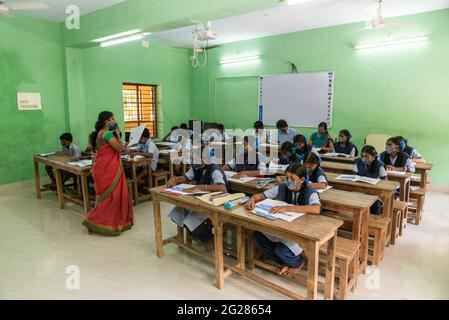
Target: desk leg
{"points": [[330, 268], [134, 175], [364, 239], [60, 188], [403, 191], [240, 247], [170, 168], [149, 177], [37, 179], [407, 191], [312, 272], [250, 251], [85, 191], [158, 226], [219, 265], [423, 179]]}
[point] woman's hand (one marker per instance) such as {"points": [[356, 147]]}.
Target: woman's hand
{"points": [[279, 180], [172, 182], [239, 175], [251, 204], [280, 209], [391, 168], [194, 189]]}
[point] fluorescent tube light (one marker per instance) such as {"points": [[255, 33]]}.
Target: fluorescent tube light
{"points": [[117, 35], [240, 59], [114, 42], [390, 42], [293, 2]]}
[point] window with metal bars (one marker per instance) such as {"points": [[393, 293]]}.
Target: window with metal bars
{"points": [[139, 105]]}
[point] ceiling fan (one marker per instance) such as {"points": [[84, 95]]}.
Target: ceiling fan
{"points": [[376, 20], [4, 7]]}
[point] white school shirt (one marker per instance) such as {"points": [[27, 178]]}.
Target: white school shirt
{"points": [[283, 137], [217, 176], [73, 150], [150, 147], [408, 164], [262, 165]]}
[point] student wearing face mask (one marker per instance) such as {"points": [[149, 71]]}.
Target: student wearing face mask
{"points": [[315, 175], [284, 132], [412, 152], [394, 158], [207, 176], [248, 162], [301, 146], [113, 212], [147, 149], [171, 137], [287, 154], [344, 145], [320, 138], [304, 199]]}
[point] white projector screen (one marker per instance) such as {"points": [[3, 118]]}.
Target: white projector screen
{"points": [[302, 99]]}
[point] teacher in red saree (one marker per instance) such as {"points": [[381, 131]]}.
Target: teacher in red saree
{"points": [[113, 211]]}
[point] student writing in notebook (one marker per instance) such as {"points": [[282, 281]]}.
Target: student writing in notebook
{"points": [[248, 162], [207, 176], [287, 154], [304, 199]]}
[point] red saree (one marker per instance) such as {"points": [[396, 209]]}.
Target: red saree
{"points": [[113, 211]]}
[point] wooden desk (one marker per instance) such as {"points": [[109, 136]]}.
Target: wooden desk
{"points": [[339, 204], [309, 231], [134, 163], [326, 157], [165, 158], [346, 168], [60, 163], [162, 145], [421, 169]]}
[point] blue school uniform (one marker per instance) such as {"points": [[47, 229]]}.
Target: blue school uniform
{"points": [[294, 158], [280, 250], [194, 221], [402, 160], [318, 176], [349, 149], [243, 162]]}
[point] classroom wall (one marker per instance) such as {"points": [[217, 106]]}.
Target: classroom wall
{"points": [[396, 90], [95, 76], [30, 61]]}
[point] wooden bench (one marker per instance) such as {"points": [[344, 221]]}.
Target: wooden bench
{"points": [[160, 176], [401, 208], [416, 205], [346, 266], [378, 227]]}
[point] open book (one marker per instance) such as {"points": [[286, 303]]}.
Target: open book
{"points": [[277, 167], [231, 174], [336, 154], [179, 190], [355, 178], [218, 198], [81, 163], [264, 207], [322, 190]]}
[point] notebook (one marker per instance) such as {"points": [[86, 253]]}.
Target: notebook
{"points": [[264, 207], [277, 167], [230, 174], [336, 154], [218, 198], [322, 190], [355, 178], [81, 163], [179, 190], [400, 173]]}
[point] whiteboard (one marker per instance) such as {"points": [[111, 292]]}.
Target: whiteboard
{"points": [[302, 99]]}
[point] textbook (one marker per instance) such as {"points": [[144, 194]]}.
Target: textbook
{"points": [[336, 154], [277, 167], [322, 190], [399, 173], [355, 178], [264, 207], [179, 190], [81, 163], [230, 174], [218, 198], [47, 154]]}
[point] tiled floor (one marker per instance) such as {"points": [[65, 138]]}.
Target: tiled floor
{"points": [[38, 241]]}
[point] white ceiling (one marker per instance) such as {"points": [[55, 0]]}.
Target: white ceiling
{"points": [[56, 8], [303, 16]]}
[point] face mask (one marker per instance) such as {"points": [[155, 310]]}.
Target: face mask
{"points": [[197, 166], [113, 126], [366, 161], [389, 149], [294, 150], [292, 185], [342, 139], [64, 146], [309, 171]]}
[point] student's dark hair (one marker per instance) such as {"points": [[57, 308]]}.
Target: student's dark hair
{"points": [[395, 140], [101, 122], [174, 128], [92, 138], [258, 125], [346, 133], [312, 158], [183, 126], [324, 126], [66, 136], [371, 151], [299, 170], [287, 146], [146, 133], [299, 138], [220, 127], [281, 124]]}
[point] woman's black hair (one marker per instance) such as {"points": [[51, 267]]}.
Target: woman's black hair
{"points": [[258, 125], [312, 158], [101, 122], [183, 126], [395, 140], [281, 124], [299, 170], [66, 136], [287, 146], [345, 133], [323, 125], [146, 133], [372, 152], [299, 138]]}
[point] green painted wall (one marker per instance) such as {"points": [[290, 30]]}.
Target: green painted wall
{"points": [[397, 90], [97, 75], [30, 61]]}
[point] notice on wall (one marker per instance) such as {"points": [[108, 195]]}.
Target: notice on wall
{"points": [[29, 101]]}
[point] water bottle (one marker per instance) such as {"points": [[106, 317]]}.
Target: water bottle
{"points": [[237, 202]]}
